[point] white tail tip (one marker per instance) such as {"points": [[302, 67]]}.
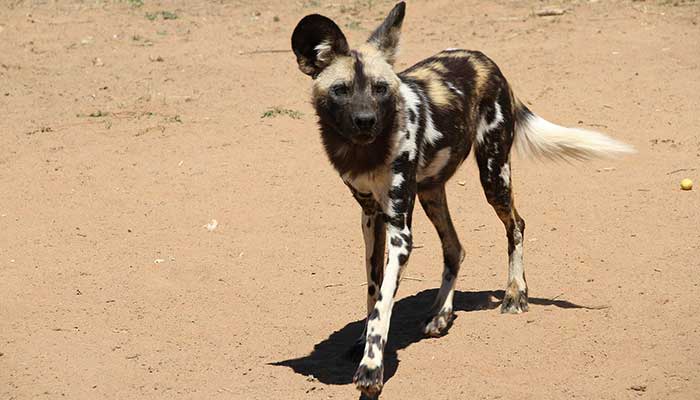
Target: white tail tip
{"points": [[535, 136]]}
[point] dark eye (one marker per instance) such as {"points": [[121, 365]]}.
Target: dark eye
{"points": [[380, 88], [340, 90]]}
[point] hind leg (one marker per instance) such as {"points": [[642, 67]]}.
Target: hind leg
{"points": [[494, 170], [434, 203]]}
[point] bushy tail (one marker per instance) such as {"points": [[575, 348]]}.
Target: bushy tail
{"points": [[535, 136]]}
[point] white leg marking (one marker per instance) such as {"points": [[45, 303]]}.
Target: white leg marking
{"points": [[485, 127], [515, 262], [378, 322], [505, 174], [447, 290]]}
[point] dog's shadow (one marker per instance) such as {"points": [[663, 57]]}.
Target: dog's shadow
{"points": [[334, 360]]}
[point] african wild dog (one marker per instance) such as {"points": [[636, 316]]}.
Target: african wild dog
{"points": [[391, 136]]}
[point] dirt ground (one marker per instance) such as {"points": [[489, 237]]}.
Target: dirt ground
{"points": [[126, 127]]}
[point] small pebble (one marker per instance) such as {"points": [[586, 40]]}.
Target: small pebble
{"points": [[686, 184]]}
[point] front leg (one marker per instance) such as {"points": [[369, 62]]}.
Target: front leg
{"points": [[401, 197], [374, 234], [369, 375]]}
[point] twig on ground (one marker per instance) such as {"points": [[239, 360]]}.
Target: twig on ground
{"points": [[549, 12], [264, 51], [596, 307], [333, 285], [680, 170], [598, 125]]}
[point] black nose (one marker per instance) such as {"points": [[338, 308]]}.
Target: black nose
{"points": [[364, 121]]}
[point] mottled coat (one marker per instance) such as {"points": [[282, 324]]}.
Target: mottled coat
{"points": [[394, 136]]}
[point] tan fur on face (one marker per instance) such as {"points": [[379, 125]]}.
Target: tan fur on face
{"points": [[376, 66], [340, 70]]}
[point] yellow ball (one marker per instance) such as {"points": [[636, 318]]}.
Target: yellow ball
{"points": [[686, 184]]}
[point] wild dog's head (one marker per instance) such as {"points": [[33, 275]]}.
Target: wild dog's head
{"points": [[355, 92]]}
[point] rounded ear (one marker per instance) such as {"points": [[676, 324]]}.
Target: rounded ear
{"points": [[316, 41], [386, 36]]}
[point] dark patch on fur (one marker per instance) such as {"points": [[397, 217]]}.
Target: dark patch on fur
{"points": [[458, 122], [408, 239], [403, 195], [360, 76], [434, 202], [369, 205], [346, 156], [490, 113], [311, 31], [377, 258], [376, 340]]}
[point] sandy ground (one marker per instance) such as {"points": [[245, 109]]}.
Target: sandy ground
{"points": [[125, 128]]}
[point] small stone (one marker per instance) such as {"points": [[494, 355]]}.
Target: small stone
{"points": [[686, 184], [549, 12], [639, 388]]}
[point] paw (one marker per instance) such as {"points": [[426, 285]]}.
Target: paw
{"points": [[515, 300], [439, 324], [369, 380]]}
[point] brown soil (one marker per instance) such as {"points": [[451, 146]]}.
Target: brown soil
{"points": [[125, 129]]}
